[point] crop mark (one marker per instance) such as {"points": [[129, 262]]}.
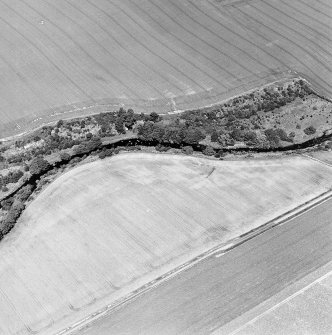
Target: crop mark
{"points": [[196, 66], [210, 173], [204, 41], [315, 9], [43, 54], [317, 33], [147, 66], [324, 4], [117, 42], [164, 59], [298, 10], [298, 60], [47, 36], [295, 31], [260, 20], [23, 79], [198, 38], [134, 92], [184, 42], [219, 36], [238, 34]]}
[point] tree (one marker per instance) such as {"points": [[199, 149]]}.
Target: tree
{"points": [[106, 153], [272, 137], [7, 203], [158, 133], [291, 135], [250, 137], [209, 151], [328, 145], [193, 136], [130, 118], [65, 157], [10, 219], [237, 134], [102, 155], [161, 148], [145, 131], [282, 135], [24, 193], [39, 165], [88, 146], [188, 150], [174, 134], [119, 125], [310, 130], [121, 112], [154, 117], [59, 124], [214, 136]]}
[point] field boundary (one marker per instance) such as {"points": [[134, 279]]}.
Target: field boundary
{"points": [[288, 75], [216, 251]]}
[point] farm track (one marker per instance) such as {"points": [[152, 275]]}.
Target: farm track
{"points": [[151, 52]]}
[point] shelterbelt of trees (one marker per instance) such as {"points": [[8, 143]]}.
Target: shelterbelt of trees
{"points": [[238, 120]]}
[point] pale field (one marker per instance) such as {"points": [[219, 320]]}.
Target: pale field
{"points": [[63, 58], [108, 227]]}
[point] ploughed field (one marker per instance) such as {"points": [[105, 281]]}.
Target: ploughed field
{"points": [[66, 58], [108, 227]]}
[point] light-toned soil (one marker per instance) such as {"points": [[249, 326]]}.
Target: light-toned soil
{"points": [[324, 156], [65, 58], [106, 228]]}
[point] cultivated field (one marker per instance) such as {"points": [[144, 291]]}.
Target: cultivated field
{"points": [[106, 228], [65, 57], [296, 315]]}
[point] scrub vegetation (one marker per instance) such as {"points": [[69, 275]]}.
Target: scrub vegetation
{"points": [[253, 120]]}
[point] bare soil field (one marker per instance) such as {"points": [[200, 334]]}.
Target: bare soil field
{"points": [[108, 227], [63, 58]]}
